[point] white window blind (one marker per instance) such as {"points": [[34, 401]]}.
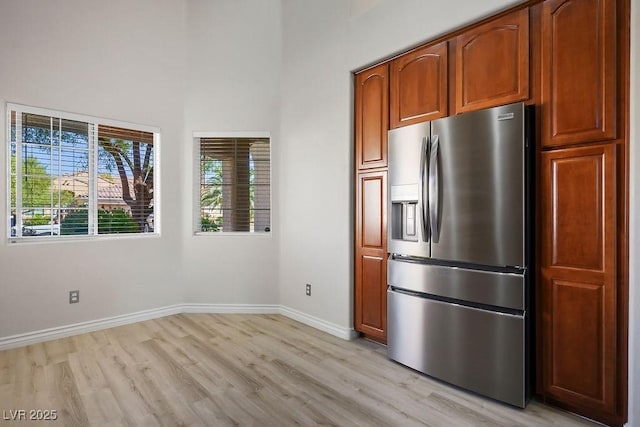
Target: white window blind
{"points": [[235, 184], [73, 176]]}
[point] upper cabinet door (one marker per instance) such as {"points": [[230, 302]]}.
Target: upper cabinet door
{"points": [[419, 85], [578, 71], [372, 117], [492, 63]]}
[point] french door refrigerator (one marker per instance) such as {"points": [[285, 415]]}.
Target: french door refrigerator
{"points": [[460, 243]]}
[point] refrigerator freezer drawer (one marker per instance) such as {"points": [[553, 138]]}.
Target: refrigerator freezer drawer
{"points": [[478, 350], [483, 287]]}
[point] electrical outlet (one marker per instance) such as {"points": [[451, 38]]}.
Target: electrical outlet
{"points": [[74, 297], [308, 289]]}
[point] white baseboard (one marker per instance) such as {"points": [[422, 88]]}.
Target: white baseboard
{"points": [[316, 322], [20, 340], [231, 308]]}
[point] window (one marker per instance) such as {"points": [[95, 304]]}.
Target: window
{"points": [[234, 183], [72, 175]]}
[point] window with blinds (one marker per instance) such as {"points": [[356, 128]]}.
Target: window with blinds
{"points": [[72, 175], [234, 184]]}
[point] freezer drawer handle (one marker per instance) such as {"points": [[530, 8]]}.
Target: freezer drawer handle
{"points": [[434, 189]]}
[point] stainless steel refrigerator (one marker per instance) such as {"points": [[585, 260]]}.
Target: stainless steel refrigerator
{"points": [[460, 243]]}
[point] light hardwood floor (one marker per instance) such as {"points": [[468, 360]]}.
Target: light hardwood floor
{"points": [[248, 370]]}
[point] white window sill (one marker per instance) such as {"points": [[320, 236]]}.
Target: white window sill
{"points": [[253, 234], [67, 239]]}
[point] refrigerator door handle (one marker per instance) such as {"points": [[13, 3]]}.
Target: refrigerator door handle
{"points": [[424, 188], [434, 189]]}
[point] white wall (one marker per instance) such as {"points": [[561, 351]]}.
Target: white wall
{"points": [[182, 66], [234, 56], [121, 60], [634, 215]]}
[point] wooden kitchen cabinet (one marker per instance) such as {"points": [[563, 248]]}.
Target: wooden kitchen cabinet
{"points": [[578, 265], [578, 71], [492, 63], [583, 292], [419, 85], [371, 117], [371, 125], [371, 255], [569, 58]]}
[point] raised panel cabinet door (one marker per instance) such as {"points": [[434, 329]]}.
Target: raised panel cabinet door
{"points": [[579, 278], [371, 255], [419, 85], [492, 63], [371, 308], [371, 117], [371, 215], [578, 71]]}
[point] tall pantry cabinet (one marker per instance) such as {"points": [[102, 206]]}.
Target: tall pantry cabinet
{"points": [[371, 124], [582, 288], [569, 58]]}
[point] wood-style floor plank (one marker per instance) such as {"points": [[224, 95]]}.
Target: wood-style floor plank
{"points": [[238, 370]]}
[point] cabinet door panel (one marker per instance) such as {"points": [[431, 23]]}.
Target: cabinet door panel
{"points": [[578, 277], [576, 337], [492, 63], [373, 209], [419, 85], [371, 117], [577, 240], [578, 71], [373, 292], [371, 255]]}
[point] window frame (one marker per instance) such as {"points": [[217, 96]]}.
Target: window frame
{"points": [[93, 228], [196, 222]]}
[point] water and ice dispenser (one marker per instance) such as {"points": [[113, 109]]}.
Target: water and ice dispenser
{"points": [[406, 220], [404, 224]]}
